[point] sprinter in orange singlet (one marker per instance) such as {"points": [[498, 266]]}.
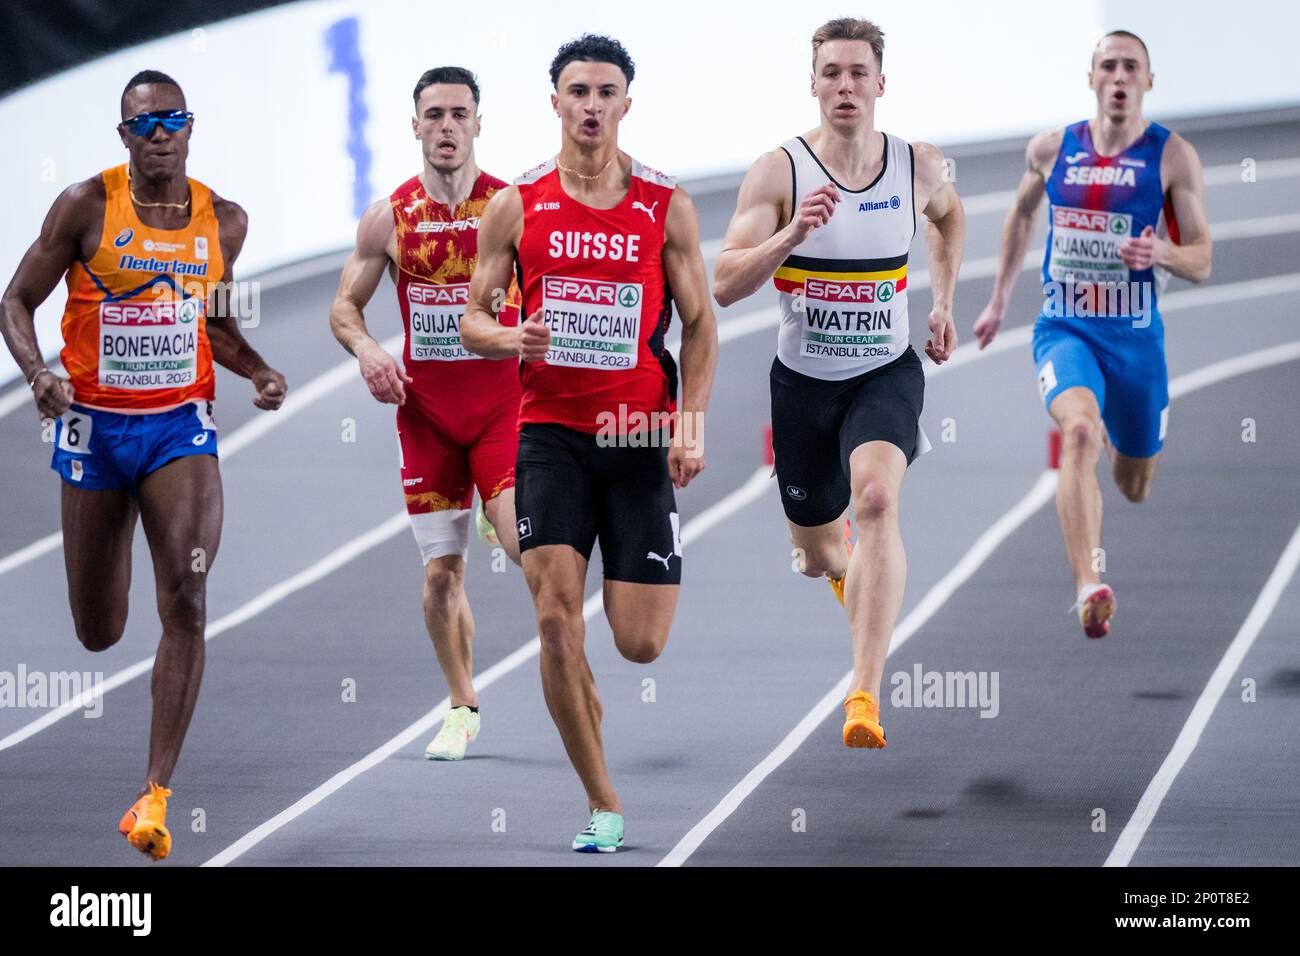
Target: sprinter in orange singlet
{"points": [[147, 255]]}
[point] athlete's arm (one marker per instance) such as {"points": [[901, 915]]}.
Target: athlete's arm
{"points": [[229, 347], [1189, 258], [62, 240], [498, 239], [385, 378], [756, 244], [945, 231], [684, 269], [1017, 230]]}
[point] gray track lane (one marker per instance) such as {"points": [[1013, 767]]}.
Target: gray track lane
{"points": [[270, 484], [1082, 725], [1234, 802]]}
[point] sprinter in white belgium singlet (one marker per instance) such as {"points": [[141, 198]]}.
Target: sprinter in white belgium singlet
{"points": [[829, 218]]}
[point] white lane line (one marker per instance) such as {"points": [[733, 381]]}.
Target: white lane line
{"points": [[1042, 491], [937, 595], [298, 400], [698, 526], [1190, 735], [271, 596]]}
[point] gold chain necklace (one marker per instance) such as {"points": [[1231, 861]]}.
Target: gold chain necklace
{"points": [[155, 205], [574, 172]]}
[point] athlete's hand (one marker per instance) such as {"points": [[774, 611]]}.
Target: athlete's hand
{"points": [[270, 387], [815, 211], [53, 394], [534, 338], [386, 379], [1141, 252], [943, 336], [686, 454], [990, 320]]}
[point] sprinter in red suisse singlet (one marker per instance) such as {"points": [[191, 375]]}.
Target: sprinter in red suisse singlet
{"points": [[598, 276]]}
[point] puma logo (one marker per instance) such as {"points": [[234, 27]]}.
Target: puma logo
{"points": [[648, 210], [651, 556], [1074, 158]]}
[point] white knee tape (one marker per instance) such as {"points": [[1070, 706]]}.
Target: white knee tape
{"points": [[440, 533]]}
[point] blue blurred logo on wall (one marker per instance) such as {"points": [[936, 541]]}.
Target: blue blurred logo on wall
{"points": [[341, 38]]}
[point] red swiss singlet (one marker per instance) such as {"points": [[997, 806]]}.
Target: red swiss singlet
{"points": [[598, 276]]}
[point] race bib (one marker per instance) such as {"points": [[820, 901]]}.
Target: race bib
{"points": [[849, 319], [436, 312], [149, 343], [594, 323], [1085, 245], [74, 436]]}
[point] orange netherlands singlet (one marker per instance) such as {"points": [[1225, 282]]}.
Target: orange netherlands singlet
{"points": [[134, 327]]}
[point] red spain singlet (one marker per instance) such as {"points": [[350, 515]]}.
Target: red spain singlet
{"points": [[598, 275], [437, 249]]}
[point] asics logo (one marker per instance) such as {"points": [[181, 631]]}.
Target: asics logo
{"points": [[413, 206], [200, 439], [652, 556], [648, 210], [1074, 158]]}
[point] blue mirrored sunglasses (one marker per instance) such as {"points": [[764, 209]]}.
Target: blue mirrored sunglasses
{"points": [[142, 124]]}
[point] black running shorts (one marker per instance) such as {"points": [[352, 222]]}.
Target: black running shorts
{"points": [[816, 425], [570, 490]]}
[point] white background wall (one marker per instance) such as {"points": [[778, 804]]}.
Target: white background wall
{"points": [[717, 84]]}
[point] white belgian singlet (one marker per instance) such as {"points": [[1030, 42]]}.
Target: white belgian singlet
{"points": [[843, 290]]}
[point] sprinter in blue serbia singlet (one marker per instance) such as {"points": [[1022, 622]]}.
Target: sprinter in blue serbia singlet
{"points": [[1100, 327]]}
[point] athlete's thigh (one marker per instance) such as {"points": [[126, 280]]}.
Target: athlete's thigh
{"points": [[500, 511], [492, 462], [99, 512], [1074, 403], [1136, 410], [877, 463], [1135, 472], [436, 485], [555, 495], [883, 416], [181, 508], [435, 471], [806, 422], [97, 530], [637, 524], [1066, 363], [640, 612], [556, 575]]}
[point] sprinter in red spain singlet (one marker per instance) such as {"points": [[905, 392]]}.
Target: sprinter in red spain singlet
{"points": [[599, 240], [147, 254], [457, 413]]}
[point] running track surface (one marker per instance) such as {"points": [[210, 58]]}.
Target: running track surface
{"points": [[1081, 728]]}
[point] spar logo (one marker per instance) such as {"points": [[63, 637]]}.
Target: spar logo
{"points": [[421, 294], [124, 237], [144, 312], [594, 291], [1081, 219], [825, 290], [834, 290]]}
